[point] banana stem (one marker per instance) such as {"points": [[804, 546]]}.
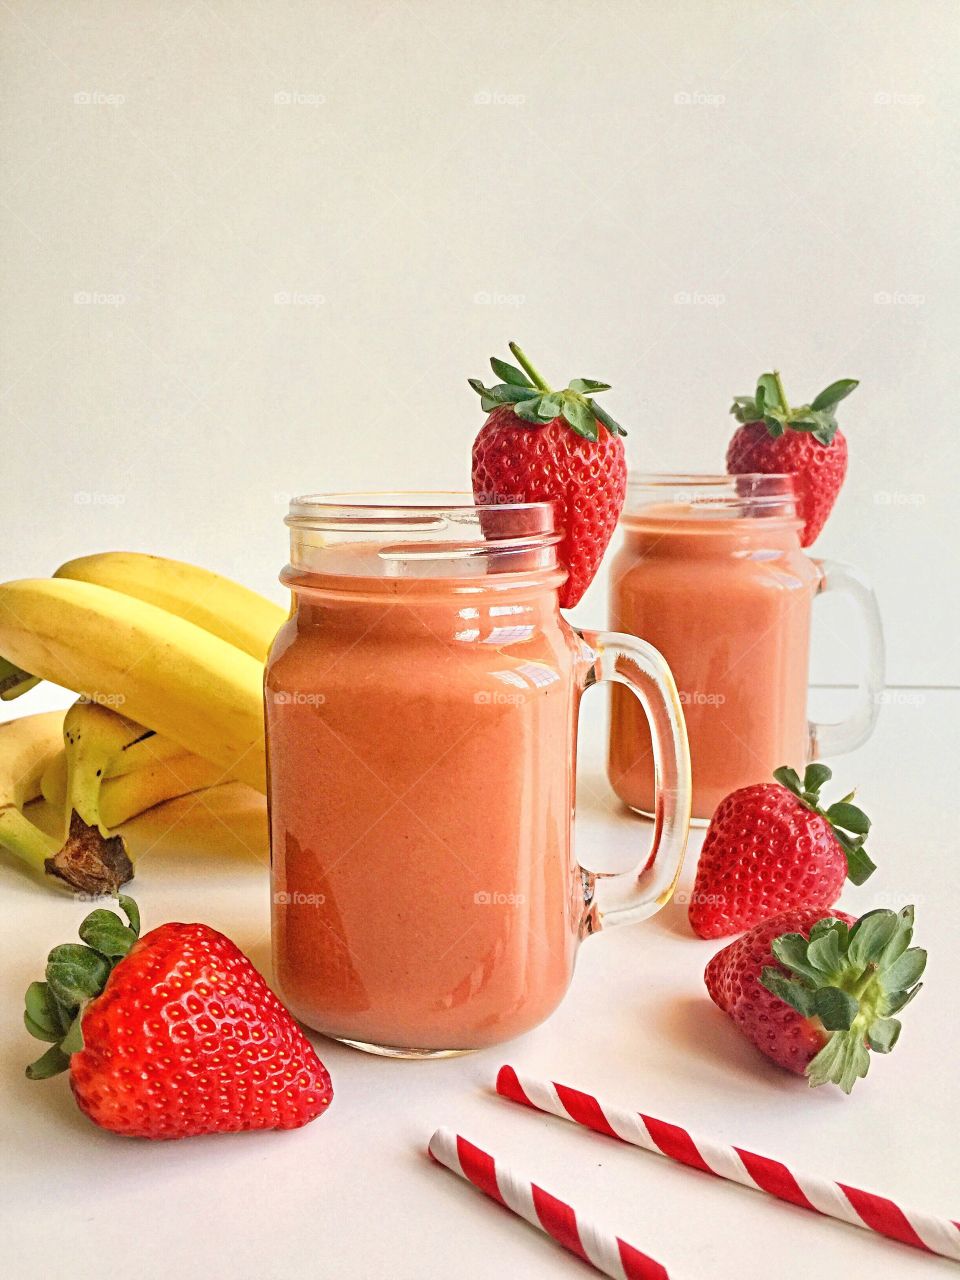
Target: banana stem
{"points": [[24, 840], [780, 391]]}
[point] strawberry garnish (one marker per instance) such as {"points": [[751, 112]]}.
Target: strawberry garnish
{"points": [[771, 846], [541, 445], [172, 1034], [816, 992], [803, 441]]}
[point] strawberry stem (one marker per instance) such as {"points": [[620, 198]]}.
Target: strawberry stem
{"points": [[780, 391], [535, 377]]}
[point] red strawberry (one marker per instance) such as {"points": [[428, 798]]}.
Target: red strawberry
{"points": [[172, 1035], [814, 991], [540, 445], [804, 442], [770, 846]]}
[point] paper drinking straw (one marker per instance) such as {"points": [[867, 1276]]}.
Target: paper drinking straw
{"points": [[835, 1199], [606, 1252]]}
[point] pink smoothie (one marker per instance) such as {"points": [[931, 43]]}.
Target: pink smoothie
{"points": [[421, 786], [727, 603]]}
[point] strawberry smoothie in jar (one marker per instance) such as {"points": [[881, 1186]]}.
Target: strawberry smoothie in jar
{"points": [[711, 573], [421, 713]]}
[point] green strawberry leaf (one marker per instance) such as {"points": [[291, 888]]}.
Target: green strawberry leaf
{"points": [[768, 394], [601, 414], [72, 1042], [510, 373], [744, 409], [40, 1033], [869, 936], [587, 386], [788, 778], [507, 393], [824, 953], [49, 1064], [791, 950], [883, 1034], [905, 971], [844, 818], [42, 1013], [815, 776], [106, 933], [580, 418], [529, 411], [76, 973], [901, 939], [835, 1008], [792, 992], [894, 1001], [551, 406], [856, 1062], [131, 911], [831, 396], [830, 924], [849, 816]]}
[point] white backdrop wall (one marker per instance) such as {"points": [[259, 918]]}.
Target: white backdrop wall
{"points": [[253, 249]]}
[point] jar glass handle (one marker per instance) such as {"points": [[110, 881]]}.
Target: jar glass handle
{"points": [[634, 895], [845, 735]]}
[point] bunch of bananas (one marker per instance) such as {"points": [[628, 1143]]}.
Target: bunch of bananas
{"points": [[179, 649]]}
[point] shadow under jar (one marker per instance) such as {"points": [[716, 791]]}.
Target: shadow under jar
{"points": [[421, 712], [711, 572]]}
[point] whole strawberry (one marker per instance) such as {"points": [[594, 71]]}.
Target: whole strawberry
{"points": [[815, 992], [540, 445], [804, 442], [171, 1035], [771, 846]]}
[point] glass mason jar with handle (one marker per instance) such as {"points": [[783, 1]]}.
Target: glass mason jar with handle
{"points": [[711, 572], [421, 714]]}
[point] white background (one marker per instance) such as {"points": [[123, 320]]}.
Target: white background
{"points": [[424, 181], [670, 197]]}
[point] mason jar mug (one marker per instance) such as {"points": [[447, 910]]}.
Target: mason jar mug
{"points": [[421, 714], [711, 573]]}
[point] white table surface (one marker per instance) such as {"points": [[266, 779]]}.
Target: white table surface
{"points": [[354, 1194]]}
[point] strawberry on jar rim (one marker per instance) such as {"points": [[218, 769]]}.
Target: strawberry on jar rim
{"points": [[541, 445], [816, 991], [171, 1035], [771, 846], [804, 441]]}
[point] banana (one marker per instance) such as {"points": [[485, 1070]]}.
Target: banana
{"points": [[137, 756], [218, 605], [220, 828], [126, 797], [122, 797], [168, 674], [82, 861], [95, 740], [13, 681], [26, 747]]}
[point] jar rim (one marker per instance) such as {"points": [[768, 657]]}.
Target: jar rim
{"points": [[361, 505], [703, 495], [438, 533]]}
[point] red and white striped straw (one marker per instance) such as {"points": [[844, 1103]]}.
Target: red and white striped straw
{"points": [[606, 1252], [835, 1199]]}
